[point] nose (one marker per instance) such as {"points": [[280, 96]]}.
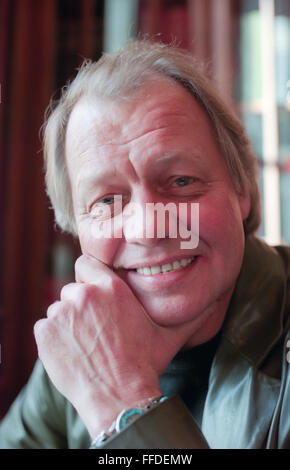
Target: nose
{"points": [[145, 222], [138, 226]]}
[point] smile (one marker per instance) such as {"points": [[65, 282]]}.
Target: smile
{"points": [[165, 268]]}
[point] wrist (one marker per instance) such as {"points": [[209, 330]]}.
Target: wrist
{"points": [[99, 412], [126, 417]]}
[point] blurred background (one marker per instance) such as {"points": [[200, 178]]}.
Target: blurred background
{"points": [[247, 46]]}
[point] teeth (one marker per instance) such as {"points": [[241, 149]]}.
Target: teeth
{"points": [[155, 269], [146, 271], [165, 268]]}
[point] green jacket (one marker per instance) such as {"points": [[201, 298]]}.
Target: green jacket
{"points": [[248, 399]]}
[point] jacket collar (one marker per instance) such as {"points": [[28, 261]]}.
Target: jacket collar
{"points": [[254, 320]]}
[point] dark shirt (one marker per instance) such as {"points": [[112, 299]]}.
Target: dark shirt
{"points": [[187, 376]]}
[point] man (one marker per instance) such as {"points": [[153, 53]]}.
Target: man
{"points": [[151, 324]]}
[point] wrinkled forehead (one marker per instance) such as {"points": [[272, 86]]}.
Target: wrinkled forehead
{"points": [[159, 103]]}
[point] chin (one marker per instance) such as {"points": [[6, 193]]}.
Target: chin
{"points": [[168, 313], [203, 319]]}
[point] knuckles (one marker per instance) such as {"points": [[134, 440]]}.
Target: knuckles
{"points": [[38, 328], [85, 264], [89, 292], [53, 309], [116, 285], [77, 297], [79, 264], [66, 291], [80, 291], [43, 331]]}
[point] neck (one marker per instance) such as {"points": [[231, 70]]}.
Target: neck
{"points": [[211, 321]]}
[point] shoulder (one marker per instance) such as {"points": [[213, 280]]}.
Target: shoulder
{"points": [[260, 304]]}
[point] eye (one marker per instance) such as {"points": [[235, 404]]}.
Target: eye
{"points": [[107, 200], [182, 181], [106, 207]]}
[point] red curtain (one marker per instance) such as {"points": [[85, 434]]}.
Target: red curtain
{"points": [[208, 28], [25, 228], [41, 44], [4, 21]]}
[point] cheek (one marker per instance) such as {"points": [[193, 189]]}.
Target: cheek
{"points": [[93, 242], [220, 220]]}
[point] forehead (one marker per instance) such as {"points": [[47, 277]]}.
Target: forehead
{"points": [[161, 115], [153, 101]]}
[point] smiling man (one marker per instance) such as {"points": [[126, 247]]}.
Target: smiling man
{"points": [[157, 345]]}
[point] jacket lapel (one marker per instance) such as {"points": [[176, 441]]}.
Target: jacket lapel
{"points": [[241, 399]]}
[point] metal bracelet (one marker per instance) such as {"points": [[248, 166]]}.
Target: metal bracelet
{"points": [[115, 426]]}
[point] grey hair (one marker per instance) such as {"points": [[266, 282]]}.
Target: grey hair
{"points": [[116, 77]]}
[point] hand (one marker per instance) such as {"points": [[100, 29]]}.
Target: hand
{"points": [[100, 348]]}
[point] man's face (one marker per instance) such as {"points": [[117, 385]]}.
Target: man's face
{"points": [[158, 147]]}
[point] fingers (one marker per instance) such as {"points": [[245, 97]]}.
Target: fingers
{"points": [[89, 270], [60, 307], [92, 271], [79, 294], [53, 309], [72, 292]]}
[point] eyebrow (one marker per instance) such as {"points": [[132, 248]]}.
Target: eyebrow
{"points": [[172, 157], [91, 179]]}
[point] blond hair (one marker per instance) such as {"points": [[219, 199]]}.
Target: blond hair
{"points": [[116, 76]]}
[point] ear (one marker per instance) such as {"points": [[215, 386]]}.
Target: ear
{"points": [[245, 204]]}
